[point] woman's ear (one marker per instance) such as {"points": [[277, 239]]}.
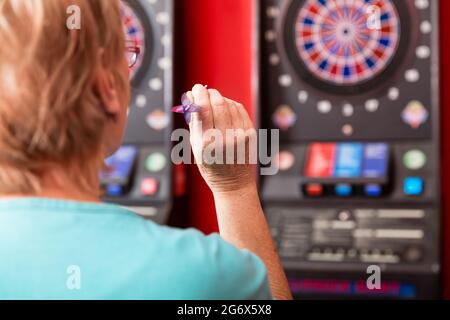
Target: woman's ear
{"points": [[106, 89]]}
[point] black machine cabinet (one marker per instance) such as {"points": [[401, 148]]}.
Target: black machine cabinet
{"points": [[353, 87], [138, 176]]}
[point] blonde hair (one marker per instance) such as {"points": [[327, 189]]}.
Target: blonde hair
{"points": [[49, 112]]}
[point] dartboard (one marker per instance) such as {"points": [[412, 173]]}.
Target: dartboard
{"points": [[347, 42], [135, 34]]}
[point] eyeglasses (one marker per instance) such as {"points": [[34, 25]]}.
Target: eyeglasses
{"points": [[132, 55]]}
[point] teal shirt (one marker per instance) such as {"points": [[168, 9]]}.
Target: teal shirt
{"points": [[54, 249]]}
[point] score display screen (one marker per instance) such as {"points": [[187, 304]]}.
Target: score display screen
{"points": [[347, 161], [119, 167]]}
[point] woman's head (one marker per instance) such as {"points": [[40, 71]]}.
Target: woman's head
{"points": [[63, 93]]}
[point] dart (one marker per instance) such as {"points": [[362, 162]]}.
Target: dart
{"points": [[186, 108]]}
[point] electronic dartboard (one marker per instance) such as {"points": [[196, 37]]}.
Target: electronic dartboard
{"points": [[139, 35], [345, 54], [352, 87], [138, 176]]}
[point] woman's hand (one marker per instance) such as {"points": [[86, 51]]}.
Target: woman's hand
{"points": [[223, 162], [233, 182]]}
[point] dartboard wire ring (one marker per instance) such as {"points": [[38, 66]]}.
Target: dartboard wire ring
{"points": [[288, 26]]}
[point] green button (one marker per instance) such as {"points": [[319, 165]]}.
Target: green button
{"points": [[414, 159], [155, 162]]}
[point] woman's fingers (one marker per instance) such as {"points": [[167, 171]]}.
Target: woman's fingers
{"points": [[201, 99], [222, 163], [220, 110], [236, 118], [190, 96], [217, 111], [247, 122]]}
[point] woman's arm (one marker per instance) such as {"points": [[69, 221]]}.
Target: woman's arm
{"points": [[239, 212], [242, 223]]}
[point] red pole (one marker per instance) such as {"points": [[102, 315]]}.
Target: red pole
{"points": [[445, 121], [216, 44]]}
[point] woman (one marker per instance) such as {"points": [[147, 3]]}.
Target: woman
{"points": [[63, 105]]}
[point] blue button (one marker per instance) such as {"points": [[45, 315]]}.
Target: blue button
{"points": [[413, 186], [373, 190], [114, 190], [343, 190]]}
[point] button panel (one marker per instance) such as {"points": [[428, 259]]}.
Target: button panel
{"points": [[388, 236], [347, 169]]}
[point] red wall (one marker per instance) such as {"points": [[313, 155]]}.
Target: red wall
{"points": [[215, 49], [445, 123]]}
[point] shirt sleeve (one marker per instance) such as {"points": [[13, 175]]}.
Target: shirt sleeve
{"points": [[235, 274]]}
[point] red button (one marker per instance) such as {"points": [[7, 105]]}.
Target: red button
{"points": [[314, 190], [149, 186]]}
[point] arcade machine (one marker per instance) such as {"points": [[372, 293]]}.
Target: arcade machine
{"points": [[352, 85], [138, 176]]}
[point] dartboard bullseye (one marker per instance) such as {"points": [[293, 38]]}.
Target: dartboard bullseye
{"points": [[135, 34], [347, 42]]}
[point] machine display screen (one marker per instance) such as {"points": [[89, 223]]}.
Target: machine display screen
{"points": [[119, 167], [347, 160]]}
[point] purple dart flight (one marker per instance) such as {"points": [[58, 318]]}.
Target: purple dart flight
{"points": [[186, 108]]}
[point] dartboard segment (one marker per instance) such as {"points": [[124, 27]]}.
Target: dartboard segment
{"points": [[135, 34], [347, 42]]}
